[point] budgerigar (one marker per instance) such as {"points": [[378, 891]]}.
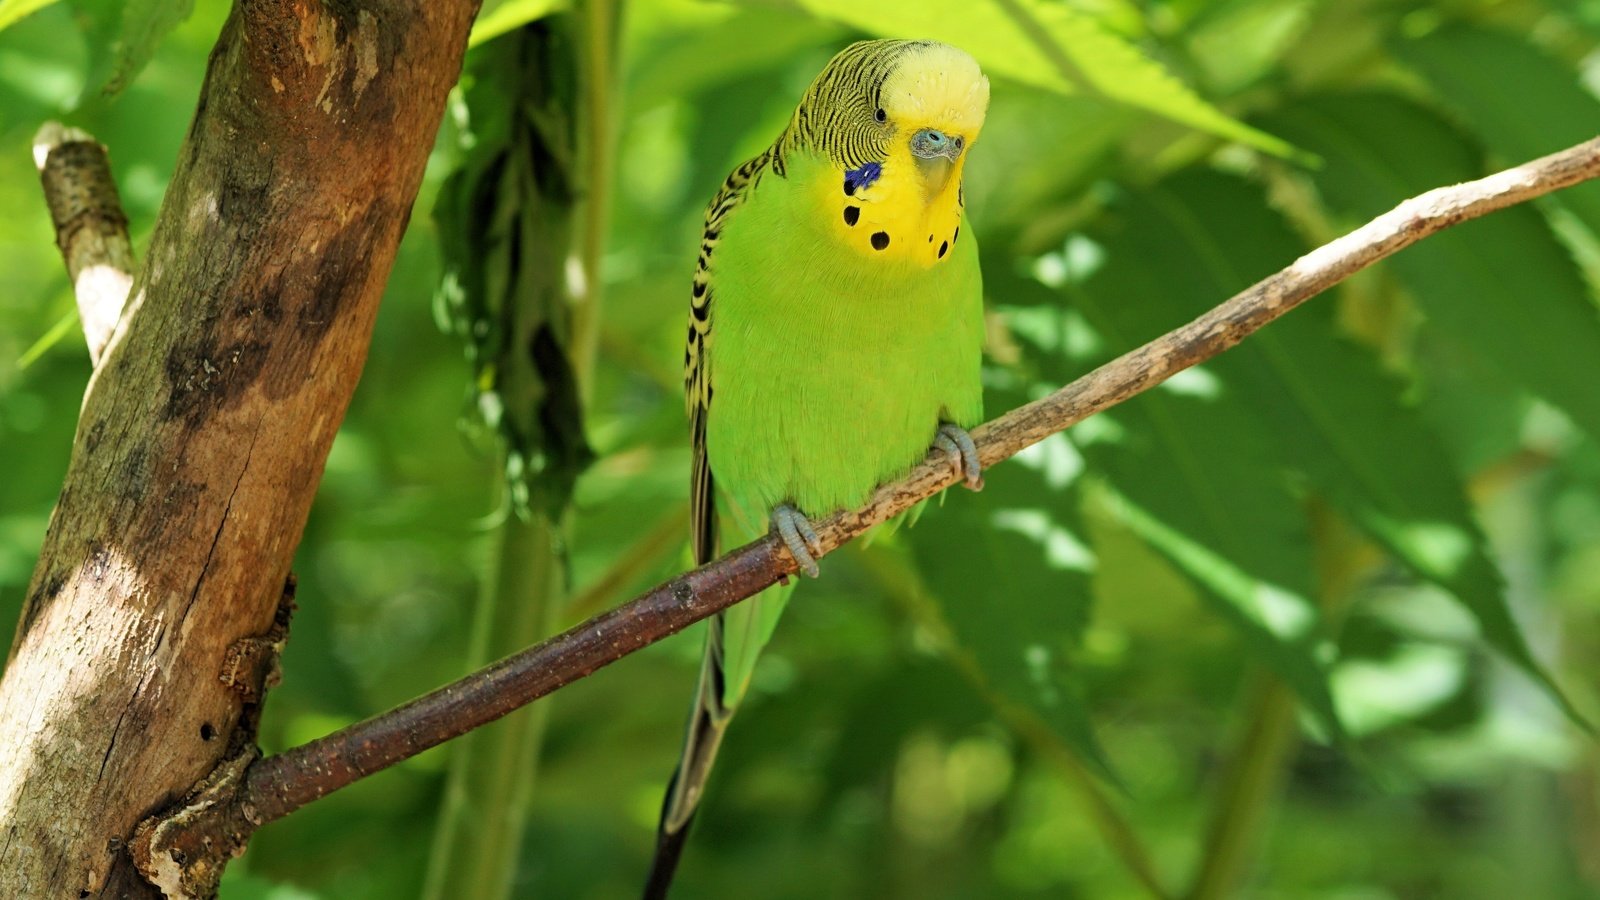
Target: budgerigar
{"points": [[835, 331]]}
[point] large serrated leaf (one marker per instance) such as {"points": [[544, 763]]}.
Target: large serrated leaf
{"points": [[1048, 45], [1501, 285], [1012, 585], [1338, 416], [1520, 102], [123, 35], [1278, 627], [1195, 479], [1193, 472]]}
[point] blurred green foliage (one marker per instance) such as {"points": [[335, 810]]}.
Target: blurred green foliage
{"points": [[1389, 500]]}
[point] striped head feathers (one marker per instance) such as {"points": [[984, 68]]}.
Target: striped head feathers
{"points": [[894, 120]]}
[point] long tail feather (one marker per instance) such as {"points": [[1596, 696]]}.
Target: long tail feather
{"points": [[708, 721]]}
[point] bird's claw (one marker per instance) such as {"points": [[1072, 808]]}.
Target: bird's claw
{"points": [[954, 440], [799, 537]]}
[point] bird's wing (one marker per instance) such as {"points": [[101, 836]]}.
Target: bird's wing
{"points": [[709, 718], [696, 355]]}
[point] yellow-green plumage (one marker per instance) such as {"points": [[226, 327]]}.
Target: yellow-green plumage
{"points": [[836, 323]]}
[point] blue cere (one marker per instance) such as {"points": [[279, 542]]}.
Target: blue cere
{"points": [[863, 177]]}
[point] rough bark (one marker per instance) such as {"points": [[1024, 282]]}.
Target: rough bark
{"points": [[205, 429]]}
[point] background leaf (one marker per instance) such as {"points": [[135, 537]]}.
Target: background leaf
{"points": [[1521, 102], [1546, 341], [13, 10], [1338, 418], [1048, 45], [123, 36], [1193, 470], [1012, 586], [498, 17]]}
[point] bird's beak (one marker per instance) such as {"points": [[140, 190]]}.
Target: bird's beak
{"points": [[936, 153]]}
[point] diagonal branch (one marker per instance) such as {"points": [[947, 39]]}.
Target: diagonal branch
{"points": [[278, 785]]}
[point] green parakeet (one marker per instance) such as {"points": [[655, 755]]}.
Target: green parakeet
{"points": [[835, 331]]}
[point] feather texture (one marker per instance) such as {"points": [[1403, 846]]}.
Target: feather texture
{"points": [[836, 320]]}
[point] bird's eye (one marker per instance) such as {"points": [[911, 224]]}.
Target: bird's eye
{"points": [[881, 116]]}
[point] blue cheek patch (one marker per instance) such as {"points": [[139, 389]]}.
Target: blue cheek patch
{"points": [[856, 179]]}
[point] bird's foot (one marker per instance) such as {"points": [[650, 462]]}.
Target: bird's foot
{"points": [[798, 535], [954, 440]]}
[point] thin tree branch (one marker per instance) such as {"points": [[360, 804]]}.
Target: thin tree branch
{"points": [[278, 785], [91, 228]]}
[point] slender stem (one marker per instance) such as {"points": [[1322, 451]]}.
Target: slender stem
{"points": [[492, 771], [278, 785], [1115, 829], [1269, 737], [476, 851], [1247, 790], [601, 22]]}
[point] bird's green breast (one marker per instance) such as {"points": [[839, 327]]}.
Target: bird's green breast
{"points": [[831, 368]]}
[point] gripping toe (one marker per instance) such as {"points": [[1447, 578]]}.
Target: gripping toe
{"points": [[954, 440], [799, 537]]}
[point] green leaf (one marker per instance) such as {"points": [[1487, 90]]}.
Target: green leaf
{"points": [[499, 18], [1192, 470], [1339, 418], [13, 11], [1237, 44], [923, 693], [1004, 180], [504, 221], [1501, 285], [1196, 479], [753, 42], [1477, 412], [123, 35], [1048, 45], [67, 324], [1011, 581], [1279, 626], [1520, 102]]}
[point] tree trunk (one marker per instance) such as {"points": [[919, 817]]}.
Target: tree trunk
{"points": [[205, 430]]}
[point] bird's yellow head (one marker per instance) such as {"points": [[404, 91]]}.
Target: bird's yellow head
{"points": [[895, 120], [935, 99]]}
